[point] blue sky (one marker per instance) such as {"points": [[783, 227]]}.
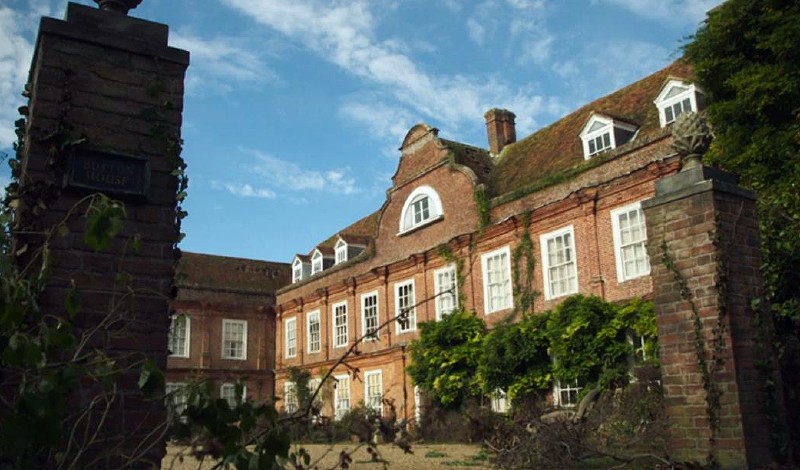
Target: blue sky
{"points": [[294, 109]]}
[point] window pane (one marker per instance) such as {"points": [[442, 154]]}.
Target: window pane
{"points": [[313, 332]]}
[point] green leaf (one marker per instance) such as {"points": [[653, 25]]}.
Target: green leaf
{"points": [[72, 303], [151, 379], [105, 219]]}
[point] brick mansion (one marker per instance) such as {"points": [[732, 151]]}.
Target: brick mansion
{"points": [[442, 239]]}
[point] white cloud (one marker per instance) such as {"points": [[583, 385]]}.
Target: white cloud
{"points": [[673, 11], [476, 31], [290, 176], [220, 61], [244, 190], [383, 121], [16, 51], [343, 33]]}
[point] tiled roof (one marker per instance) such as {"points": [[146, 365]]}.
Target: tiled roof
{"points": [[365, 229], [196, 270], [358, 240], [558, 146], [477, 159]]}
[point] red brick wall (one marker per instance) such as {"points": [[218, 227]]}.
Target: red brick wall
{"points": [[710, 233], [95, 73], [206, 310]]}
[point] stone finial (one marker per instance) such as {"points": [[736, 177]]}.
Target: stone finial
{"points": [[690, 139], [121, 6]]}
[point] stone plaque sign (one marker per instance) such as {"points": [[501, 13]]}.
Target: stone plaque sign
{"points": [[111, 173]]}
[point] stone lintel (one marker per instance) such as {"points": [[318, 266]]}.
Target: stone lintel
{"points": [[695, 181], [111, 29]]}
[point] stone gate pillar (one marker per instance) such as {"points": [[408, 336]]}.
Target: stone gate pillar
{"points": [[722, 392], [104, 113]]}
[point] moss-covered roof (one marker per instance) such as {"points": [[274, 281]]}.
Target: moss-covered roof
{"points": [[196, 270], [558, 146], [477, 159], [363, 230]]}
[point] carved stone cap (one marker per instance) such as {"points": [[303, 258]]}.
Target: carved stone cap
{"points": [[690, 139], [121, 6]]}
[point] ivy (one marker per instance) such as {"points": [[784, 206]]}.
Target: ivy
{"points": [[456, 358], [515, 358], [483, 205], [589, 341], [446, 252], [710, 386], [445, 357], [523, 265]]}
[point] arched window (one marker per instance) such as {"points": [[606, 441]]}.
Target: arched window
{"points": [[422, 207]]}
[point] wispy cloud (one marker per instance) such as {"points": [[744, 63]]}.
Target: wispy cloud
{"points": [[220, 63], [243, 190], [672, 11], [290, 176], [383, 121], [589, 75], [344, 34], [16, 49]]}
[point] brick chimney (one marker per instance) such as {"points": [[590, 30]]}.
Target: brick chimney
{"points": [[500, 129]]}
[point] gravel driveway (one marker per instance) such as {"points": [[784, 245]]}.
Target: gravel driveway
{"points": [[425, 457]]}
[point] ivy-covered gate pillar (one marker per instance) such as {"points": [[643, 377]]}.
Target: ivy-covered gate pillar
{"points": [[98, 183], [722, 393]]}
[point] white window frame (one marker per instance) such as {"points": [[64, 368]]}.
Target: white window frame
{"points": [[549, 293], [371, 401], [687, 91], [175, 352], [342, 383], [317, 262], [499, 401], [291, 403], [504, 283], [290, 336], [570, 389], [340, 331], [411, 306], [314, 339], [619, 249], [225, 323], [176, 397], [297, 270], [408, 219], [231, 397], [588, 134], [446, 303], [597, 127], [341, 251], [364, 321]]}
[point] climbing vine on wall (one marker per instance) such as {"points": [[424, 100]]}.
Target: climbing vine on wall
{"points": [[711, 387], [523, 265], [483, 204], [446, 252]]}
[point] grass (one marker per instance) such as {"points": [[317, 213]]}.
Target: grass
{"points": [[478, 460], [435, 454]]}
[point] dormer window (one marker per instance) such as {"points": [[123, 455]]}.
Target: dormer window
{"points": [[603, 133], [316, 262], [300, 269], [341, 251], [422, 207], [677, 97], [297, 270]]}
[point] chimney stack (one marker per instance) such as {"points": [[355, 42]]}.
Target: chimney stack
{"points": [[500, 129]]}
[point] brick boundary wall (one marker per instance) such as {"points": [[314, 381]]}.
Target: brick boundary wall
{"points": [[104, 76], [708, 227]]}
